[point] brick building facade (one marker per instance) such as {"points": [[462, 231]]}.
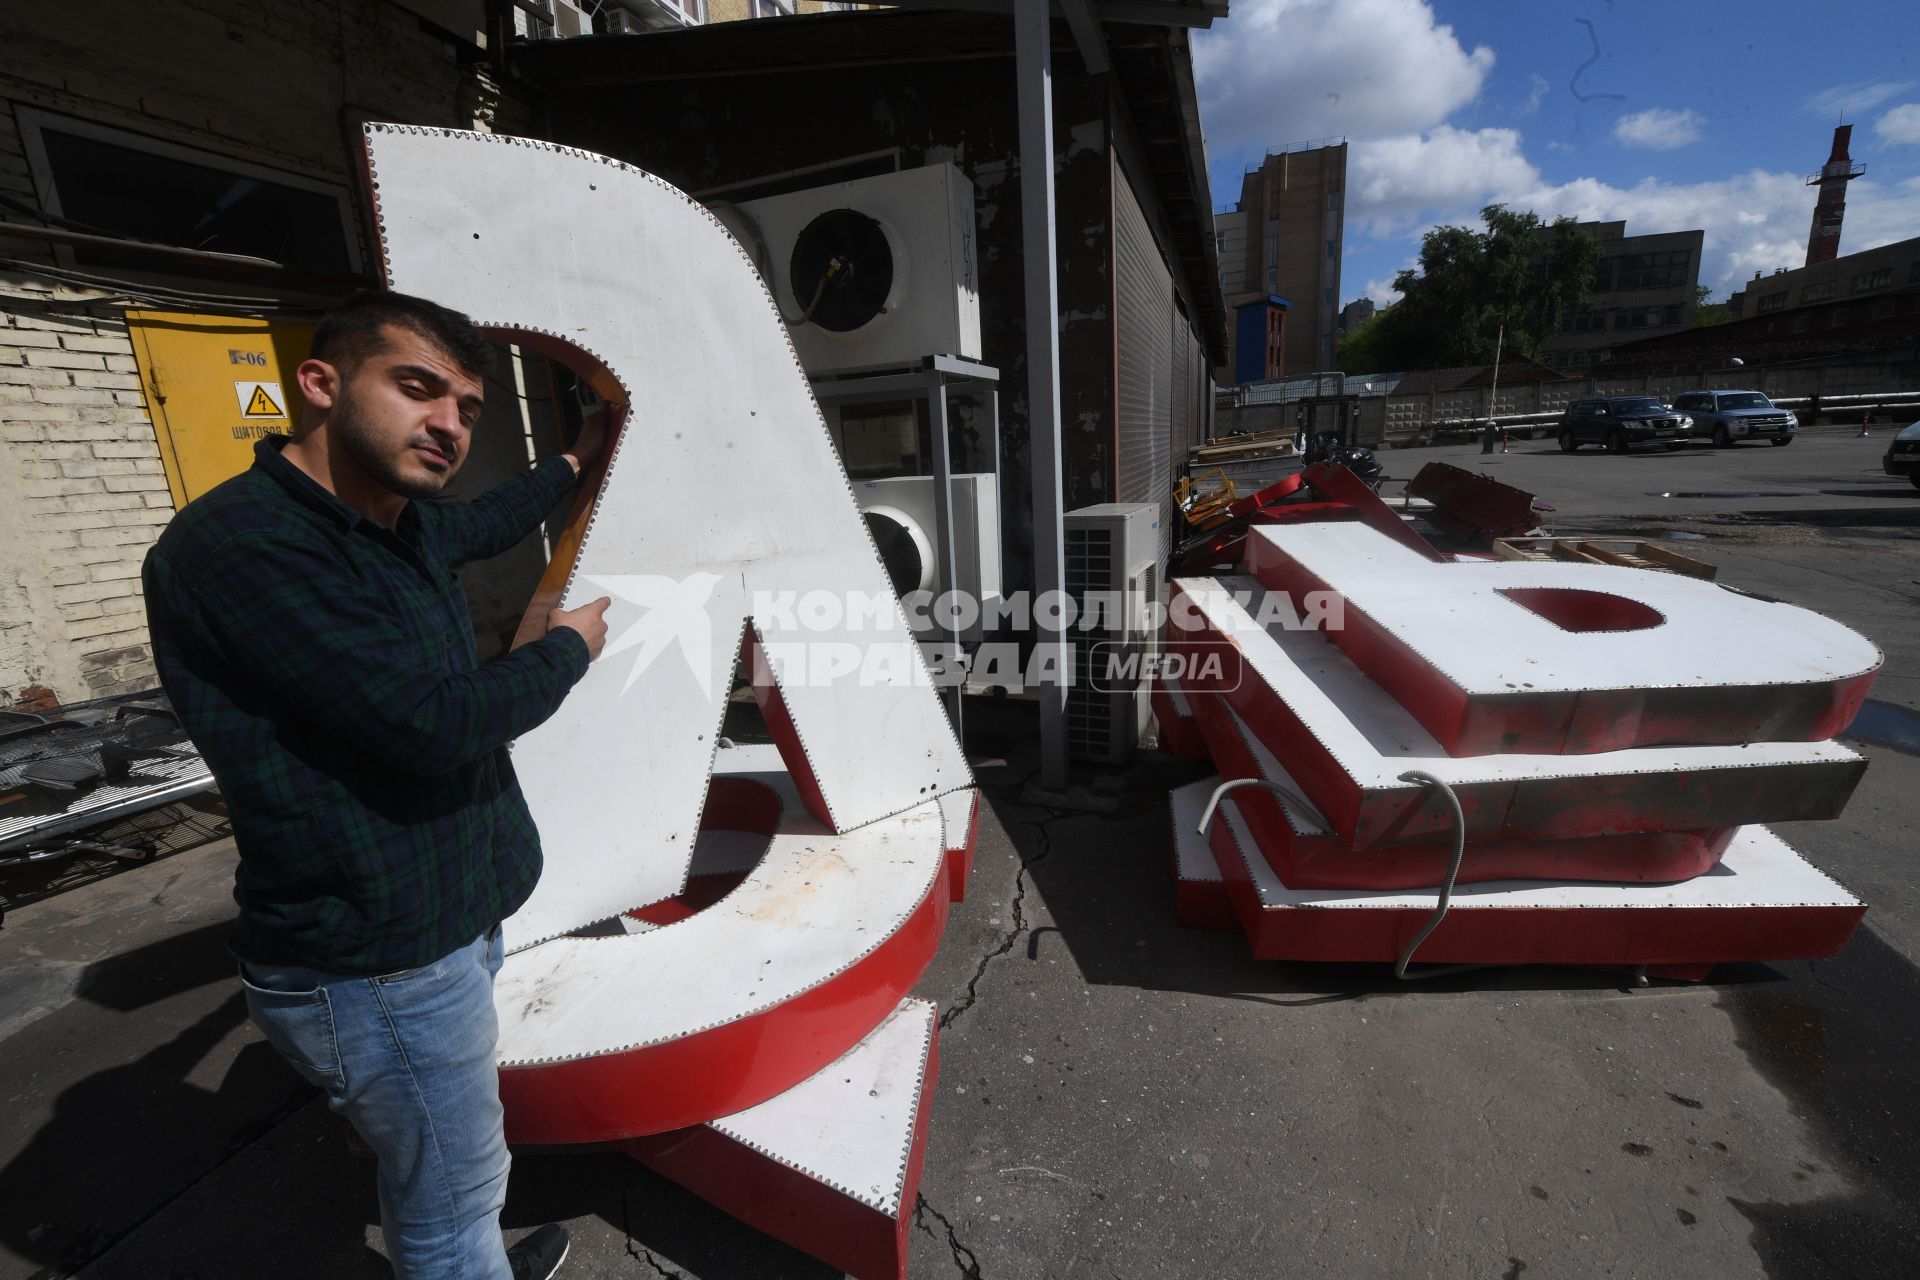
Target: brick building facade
{"points": [[277, 88]]}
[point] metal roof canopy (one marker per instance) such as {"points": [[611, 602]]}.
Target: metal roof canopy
{"points": [[1146, 50]]}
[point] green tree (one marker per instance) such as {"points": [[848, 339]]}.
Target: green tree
{"points": [[1706, 313], [1360, 351], [1518, 274]]}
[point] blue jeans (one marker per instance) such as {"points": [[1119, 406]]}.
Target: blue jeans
{"points": [[408, 1058]]}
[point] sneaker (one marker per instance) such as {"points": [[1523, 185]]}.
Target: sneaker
{"points": [[539, 1253]]}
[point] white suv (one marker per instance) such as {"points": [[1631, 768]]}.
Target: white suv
{"points": [[1726, 417]]}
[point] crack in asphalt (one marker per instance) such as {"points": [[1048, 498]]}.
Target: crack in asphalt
{"points": [[639, 1252], [1017, 911], [969, 1269]]}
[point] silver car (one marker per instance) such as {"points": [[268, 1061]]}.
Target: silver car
{"points": [[1728, 417]]}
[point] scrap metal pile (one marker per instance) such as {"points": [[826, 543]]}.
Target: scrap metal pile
{"points": [[87, 764], [1562, 741]]}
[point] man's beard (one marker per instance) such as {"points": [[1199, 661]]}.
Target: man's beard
{"points": [[348, 426]]}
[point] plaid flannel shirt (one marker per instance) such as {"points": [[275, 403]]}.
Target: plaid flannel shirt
{"points": [[324, 664]]}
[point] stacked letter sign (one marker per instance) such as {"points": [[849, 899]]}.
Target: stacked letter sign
{"points": [[713, 970], [1613, 758]]}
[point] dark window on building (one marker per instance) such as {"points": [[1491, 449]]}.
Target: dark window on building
{"points": [[125, 184], [1585, 322], [1836, 317], [1817, 292], [1772, 301], [1883, 309], [1800, 323], [1652, 270], [1648, 318], [1865, 280]]}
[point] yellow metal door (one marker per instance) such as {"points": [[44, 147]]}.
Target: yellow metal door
{"points": [[214, 385]]}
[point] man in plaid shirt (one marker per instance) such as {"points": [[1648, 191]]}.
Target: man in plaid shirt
{"points": [[309, 628]]}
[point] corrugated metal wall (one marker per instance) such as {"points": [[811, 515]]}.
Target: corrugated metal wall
{"points": [[1161, 371]]}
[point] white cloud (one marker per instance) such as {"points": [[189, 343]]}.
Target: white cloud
{"points": [[1844, 100], [1382, 291], [1901, 125], [1279, 71], [1659, 129], [1754, 221], [1393, 181], [1536, 94]]}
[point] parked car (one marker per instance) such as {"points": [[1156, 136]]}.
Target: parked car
{"points": [[1903, 455], [1728, 417], [1621, 422]]}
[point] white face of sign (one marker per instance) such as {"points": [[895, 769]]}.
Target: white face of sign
{"points": [[1570, 657], [724, 506]]}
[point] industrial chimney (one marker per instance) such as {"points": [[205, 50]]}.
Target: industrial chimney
{"points": [[1823, 239]]}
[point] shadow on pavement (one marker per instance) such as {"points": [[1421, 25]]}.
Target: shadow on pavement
{"points": [[123, 1142], [1106, 880], [680, 1231], [1842, 1047]]}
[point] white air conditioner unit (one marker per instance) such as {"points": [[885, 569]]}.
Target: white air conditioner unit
{"points": [[565, 19], [872, 274], [900, 515], [1113, 578], [628, 17]]}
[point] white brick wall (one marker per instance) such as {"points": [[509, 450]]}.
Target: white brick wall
{"points": [[82, 490]]}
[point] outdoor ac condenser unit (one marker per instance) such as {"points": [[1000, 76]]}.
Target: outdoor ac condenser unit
{"points": [[565, 19], [871, 274], [1112, 567], [900, 515]]}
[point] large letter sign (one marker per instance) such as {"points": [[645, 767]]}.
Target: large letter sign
{"points": [[1563, 742], [1500, 656], [624, 1012]]}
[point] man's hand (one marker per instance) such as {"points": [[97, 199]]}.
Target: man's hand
{"points": [[590, 620], [591, 442]]}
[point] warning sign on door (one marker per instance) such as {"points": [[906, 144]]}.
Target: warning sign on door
{"points": [[260, 399]]}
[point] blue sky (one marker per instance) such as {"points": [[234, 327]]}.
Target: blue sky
{"points": [[1674, 115]]}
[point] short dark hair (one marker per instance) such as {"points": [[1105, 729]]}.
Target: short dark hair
{"points": [[350, 332]]}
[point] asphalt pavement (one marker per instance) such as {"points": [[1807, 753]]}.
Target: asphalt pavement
{"points": [[1121, 1097]]}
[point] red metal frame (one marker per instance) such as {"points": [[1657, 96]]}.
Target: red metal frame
{"points": [[785, 1203]]}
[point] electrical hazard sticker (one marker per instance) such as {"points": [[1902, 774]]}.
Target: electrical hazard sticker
{"points": [[260, 399]]}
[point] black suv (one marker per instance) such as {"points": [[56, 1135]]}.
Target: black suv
{"points": [[1621, 422]]}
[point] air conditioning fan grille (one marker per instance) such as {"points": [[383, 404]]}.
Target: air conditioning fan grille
{"points": [[1090, 709], [841, 271]]}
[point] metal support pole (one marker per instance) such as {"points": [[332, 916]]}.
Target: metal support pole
{"points": [[1033, 68], [943, 578]]}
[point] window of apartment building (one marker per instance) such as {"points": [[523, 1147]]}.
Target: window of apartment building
{"points": [[1648, 318], [1585, 322], [1772, 301], [1801, 323], [1652, 270], [1865, 280], [772, 8], [1817, 292], [692, 11], [127, 184], [1836, 317], [1333, 250], [1883, 309], [1273, 243], [1602, 274]]}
